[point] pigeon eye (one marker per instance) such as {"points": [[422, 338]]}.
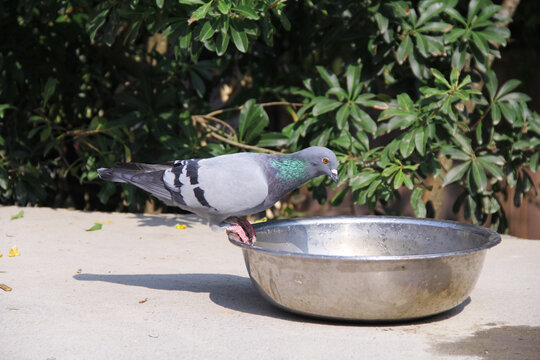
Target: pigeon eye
{"points": [[325, 160]]}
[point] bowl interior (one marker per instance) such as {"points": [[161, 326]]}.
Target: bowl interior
{"points": [[372, 237]]}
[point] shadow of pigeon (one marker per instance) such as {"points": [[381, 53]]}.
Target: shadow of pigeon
{"points": [[229, 291], [237, 293], [160, 220]]}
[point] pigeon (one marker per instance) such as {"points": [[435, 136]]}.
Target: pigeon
{"points": [[226, 188]]}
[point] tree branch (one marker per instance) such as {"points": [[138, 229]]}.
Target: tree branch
{"points": [[237, 108], [242, 146]]}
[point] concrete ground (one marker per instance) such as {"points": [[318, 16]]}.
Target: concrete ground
{"points": [[140, 288]]}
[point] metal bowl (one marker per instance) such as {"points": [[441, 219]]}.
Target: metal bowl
{"points": [[370, 268]]}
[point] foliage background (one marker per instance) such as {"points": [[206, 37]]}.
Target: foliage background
{"points": [[403, 93]]}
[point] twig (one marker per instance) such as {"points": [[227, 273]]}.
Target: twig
{"points": [[242, 146], [209, 117], [79, 132], [203, 120], [481, 117]]}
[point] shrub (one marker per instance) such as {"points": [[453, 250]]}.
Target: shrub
{"points": [[404, 94]]}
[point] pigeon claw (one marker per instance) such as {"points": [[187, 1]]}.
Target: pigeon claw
{"points": [[249, 230], [237, 233], [242, 232]]}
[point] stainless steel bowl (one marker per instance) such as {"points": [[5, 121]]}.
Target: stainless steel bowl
{"points": [[367, 268]]}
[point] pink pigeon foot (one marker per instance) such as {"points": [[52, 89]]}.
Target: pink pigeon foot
{"points": [[248, 228], [238, 234], [242, 232]]}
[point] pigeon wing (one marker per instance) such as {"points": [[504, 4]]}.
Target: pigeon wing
{"points": [[220, 187]]}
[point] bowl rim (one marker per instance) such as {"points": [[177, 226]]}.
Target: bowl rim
{"points": [[493, 237]]}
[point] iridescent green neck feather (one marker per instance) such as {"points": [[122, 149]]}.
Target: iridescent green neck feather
{"points": [[289, 168]]}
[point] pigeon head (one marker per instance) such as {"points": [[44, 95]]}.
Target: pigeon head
{"points": [[322, 160]]}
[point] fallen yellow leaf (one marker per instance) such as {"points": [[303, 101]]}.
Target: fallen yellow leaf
{"points": [[181, 226], [1, 254], [14, 252], [103, 223]]}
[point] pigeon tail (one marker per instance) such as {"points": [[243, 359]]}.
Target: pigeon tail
{"points": [[148, 178], [110, 175]]}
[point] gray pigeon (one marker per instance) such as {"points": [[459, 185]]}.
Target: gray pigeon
{"points": [[224, 189]]}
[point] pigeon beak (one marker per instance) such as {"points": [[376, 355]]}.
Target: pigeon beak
{"points": [[334, 175]]}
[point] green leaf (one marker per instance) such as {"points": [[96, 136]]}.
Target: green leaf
{"points": [[252, 121], [456, 173], [284, 21], [534, 161], [405, 101], [364, 99], [430, 12], [495, 114], [363, 119], [363, 179], [490, 205], [96, 226], [272, 139], [454, 35], [491, 83], [497, 34], [324, 105], [408, 181], [373, 187], [454, 14], [322, 139], [491, 163], [159, 3], [439, 77], [515, 96], [48, 90], [481, 44], [390, 170], [456, 154], [404, 50], [417, 204], [474, 7], [398, 180], [406, 144], [454, 77], [197, 83], [96, 22], [330, 79], [479, 176], [207, 30], [268, 31], [246, 11], [507, 87], [458, 58], [342, 116], [200, 12], [239, 37], [487, 12], [436, 26], [224, 6], [526, 144], [353, 77], [222, 43], [338, 198], [19, 215], [382, 22], [338, 92], [420, 140]]}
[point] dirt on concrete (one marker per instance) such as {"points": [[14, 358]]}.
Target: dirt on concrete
{"points": [[499, 343]]}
